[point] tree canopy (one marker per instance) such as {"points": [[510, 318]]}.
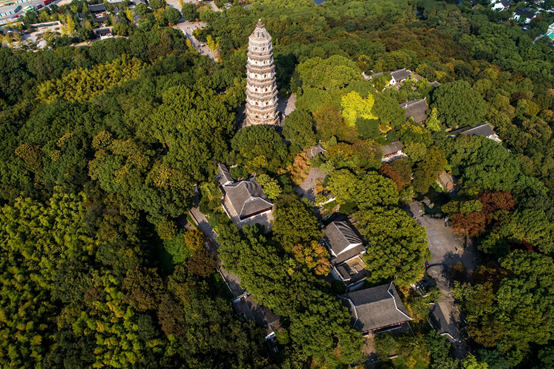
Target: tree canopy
{"points": [[459, 105]]}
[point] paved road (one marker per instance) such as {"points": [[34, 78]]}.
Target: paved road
{"points": [[446, 249], [20, 13], [306, 188], [243, 303], [287, 105], [188, 28]]}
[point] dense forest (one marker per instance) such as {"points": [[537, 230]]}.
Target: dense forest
{"points": [[105, 148]]}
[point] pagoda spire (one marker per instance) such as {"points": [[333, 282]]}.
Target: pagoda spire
{"points": [[261, 89]]}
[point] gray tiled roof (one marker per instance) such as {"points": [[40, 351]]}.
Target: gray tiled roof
{"points": [[349, 254], [416, 109], [400, 74], [507, 3], [224, 176], [340, 235], [261, 315], [246, 197], [96, 8], [525, 12], [392, 148], [483, 129], [377, 307]]}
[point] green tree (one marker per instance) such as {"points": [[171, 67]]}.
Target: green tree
{"points": [[190, 12], [427, 170], [260, 148], [517, 312], [141, 10], [157, 4], [433, 123], [83, 84], [355, 107], [298, 129], [294, 223], [470, 362], [361, 154], [396, 245], [194, 239], [289, 289], [366, 191], [171, 15], [482, 164], [388, 110], [459, 105], [269, 185]]}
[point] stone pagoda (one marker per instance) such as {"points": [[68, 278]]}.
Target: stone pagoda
{"points": [[261, 89]]}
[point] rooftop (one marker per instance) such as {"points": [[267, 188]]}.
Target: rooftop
{"points": [[377, 307], [224, 176], [400, 74], [260, 33], [483, 129], [261, 315], [315, 151], [416, 109], [247, 198], [525, 12], [341, 237], [392, 148], [96, 8]]}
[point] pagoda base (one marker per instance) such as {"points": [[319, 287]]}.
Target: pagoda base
{"points": [[265, 122]]}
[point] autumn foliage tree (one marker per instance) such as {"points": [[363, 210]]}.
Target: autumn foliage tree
{"points": [[314, 255], [493, 201], [400, 171], [202, 263], [299, 168], [194, 239], [471, 225]]}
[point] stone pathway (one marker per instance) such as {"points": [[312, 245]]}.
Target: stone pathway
{"points": [[232, 281], [243, 302], [306, 188]]}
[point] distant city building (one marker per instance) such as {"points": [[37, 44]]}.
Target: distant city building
{"points": [[501, 4], [261, 89], [524, 15]]}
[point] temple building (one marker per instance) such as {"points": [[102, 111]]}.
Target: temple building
{"points": [[261, 89]]}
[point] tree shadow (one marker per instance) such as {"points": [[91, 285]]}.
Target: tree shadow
{"points": [[284, 68]]}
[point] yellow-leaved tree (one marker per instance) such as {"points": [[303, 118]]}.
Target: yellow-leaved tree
{"points": [[354, 106]]}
